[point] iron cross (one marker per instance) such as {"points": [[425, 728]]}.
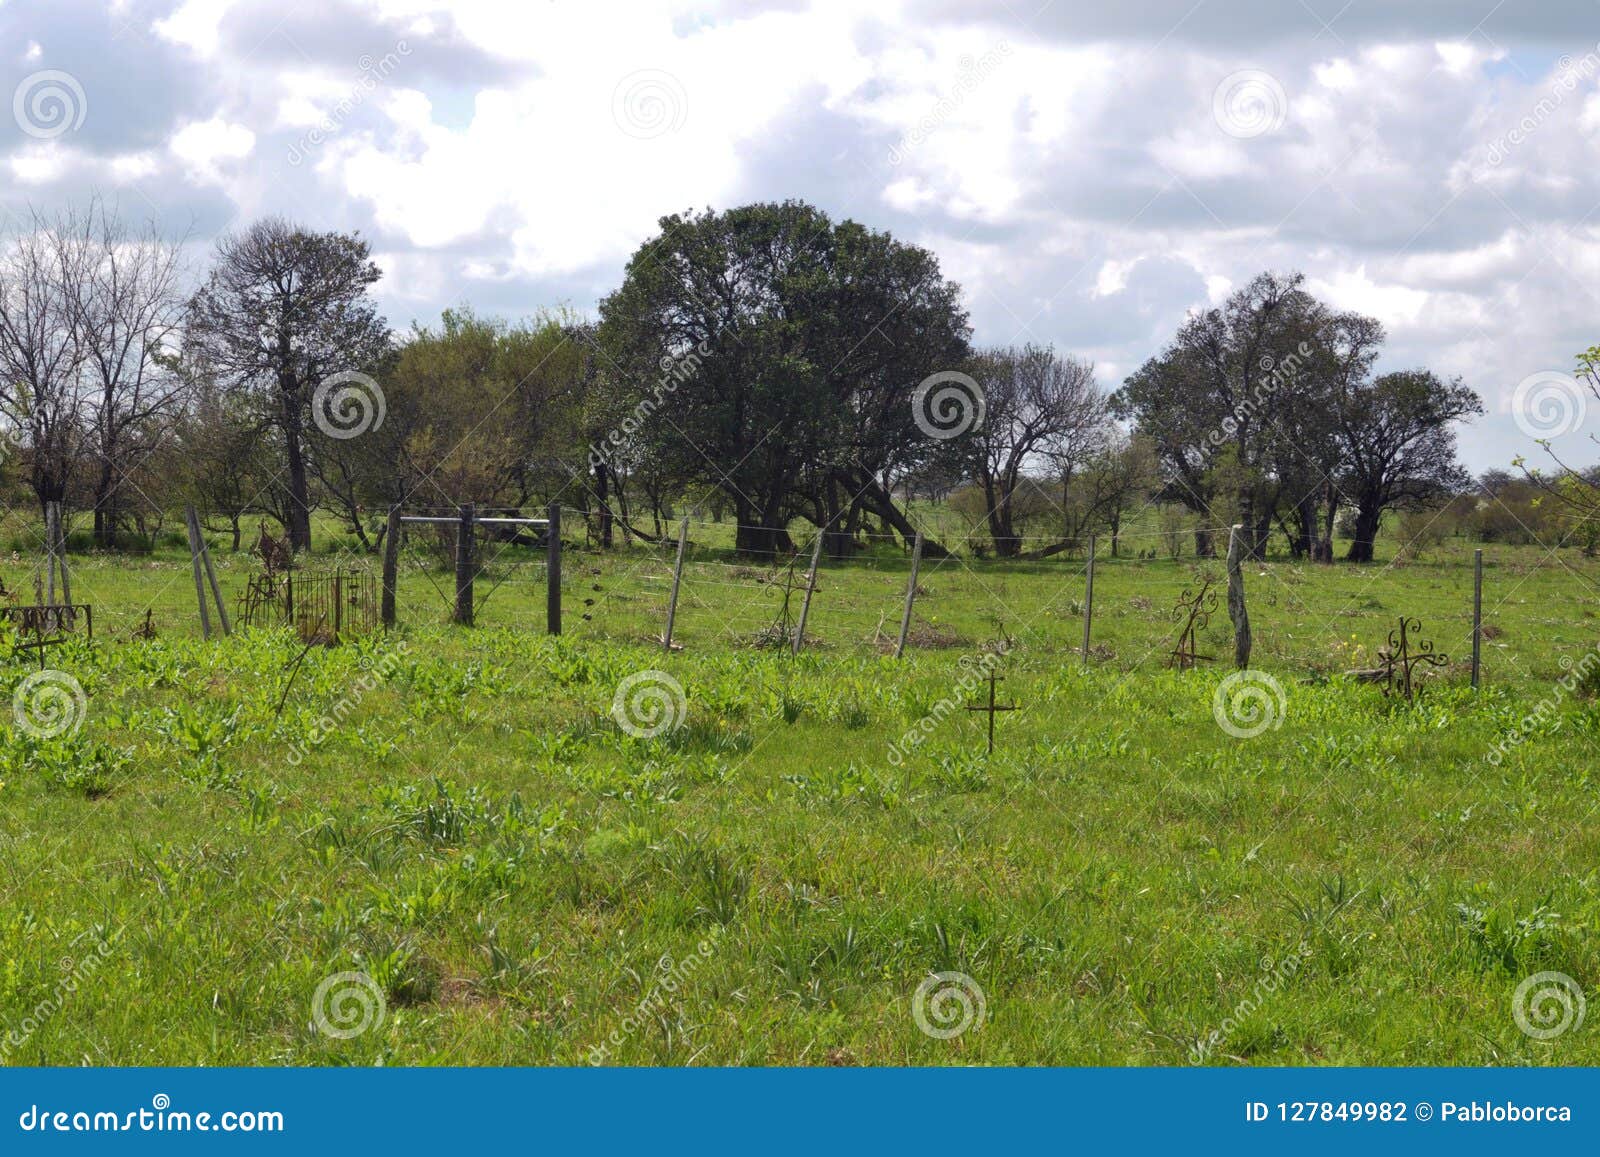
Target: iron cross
{"points": [[991, 707]]}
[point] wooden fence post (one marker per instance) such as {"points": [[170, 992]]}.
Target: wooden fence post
{"points": [[211, 578], [811, 585], [552, 610], [391, 565], [677, 578], [190, 524], [464, 533], [1477, 614], [1088, 600], [911, 595], [1236, 608]]}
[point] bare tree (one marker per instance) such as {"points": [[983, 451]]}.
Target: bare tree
{"points": [[41, 354], [125, 302], [1037, 405]]}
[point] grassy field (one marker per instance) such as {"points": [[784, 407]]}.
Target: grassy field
{"points": [[448, 849]]}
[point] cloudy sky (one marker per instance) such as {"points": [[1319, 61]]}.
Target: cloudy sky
{"points": [[1087, 171]]}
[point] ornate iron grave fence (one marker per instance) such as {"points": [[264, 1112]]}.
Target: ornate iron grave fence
{"points": [[320, 607]]}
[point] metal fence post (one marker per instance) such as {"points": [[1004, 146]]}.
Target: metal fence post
{"points": [[552, 612], [391, 565], [1477, 615], [464, 533], [1088, 600]]}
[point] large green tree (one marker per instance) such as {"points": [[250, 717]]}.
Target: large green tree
{"points": [[1399, 446], [771, 353]]}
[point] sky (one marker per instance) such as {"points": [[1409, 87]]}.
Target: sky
{"points": [[1087, 172]]}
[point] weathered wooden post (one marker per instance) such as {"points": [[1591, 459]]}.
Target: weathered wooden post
{"points": [[1236, 607], [190, 524], [677, 578], [552, 612], [338, 601], [211, 579], [911, 595], [1477, 614], [391, 565], [1088, 600], [464, 532], [811, 585]]}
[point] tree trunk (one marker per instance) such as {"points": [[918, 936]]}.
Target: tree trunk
{"points": [[1237, 613], [877, 499], [1368, 515], [602, 486], [1203, 545], [1001, 532], [299, 512]]}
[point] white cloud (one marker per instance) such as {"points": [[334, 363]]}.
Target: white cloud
{"points": [[207, 147], [195, 24]]}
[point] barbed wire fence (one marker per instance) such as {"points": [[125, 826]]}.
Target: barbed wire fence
{"points": [[689, 589]]}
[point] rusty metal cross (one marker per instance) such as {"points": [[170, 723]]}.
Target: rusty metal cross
{"points": [[991, 707]]}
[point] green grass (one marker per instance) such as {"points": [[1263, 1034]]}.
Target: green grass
{"points": [[455, 815]]}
